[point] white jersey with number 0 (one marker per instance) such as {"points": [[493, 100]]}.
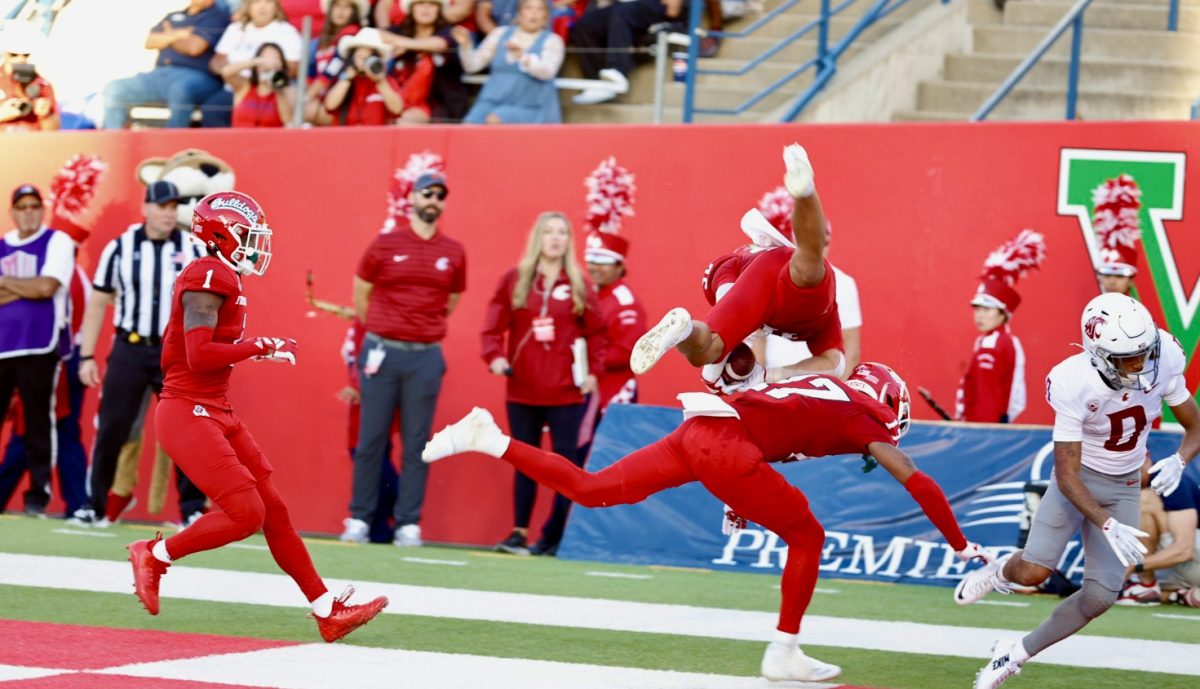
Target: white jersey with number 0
{"points": [[1112, 424]]}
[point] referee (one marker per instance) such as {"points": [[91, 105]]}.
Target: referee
{"points": [[136, 275]]}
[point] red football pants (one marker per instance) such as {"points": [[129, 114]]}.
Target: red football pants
{"points": [[216, 451], [718, 454]]}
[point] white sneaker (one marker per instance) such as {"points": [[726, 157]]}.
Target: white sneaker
{"points": [[670, 331], [475, 432], [408, 535], [981, 582], [356, 531], [783, 662], [84, 516], [1000, 667], [593, 96], [616, 78]]}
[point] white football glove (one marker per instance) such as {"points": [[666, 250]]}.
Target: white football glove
{"points": [[1124, 541], [733, 522], [1170, 471], [972, 551], [799, 176], [281, 349]]}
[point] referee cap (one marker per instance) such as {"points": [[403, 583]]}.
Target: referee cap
{"points": [[161, 192]]}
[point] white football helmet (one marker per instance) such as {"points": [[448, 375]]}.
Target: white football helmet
{"points": [[1122, 340]]}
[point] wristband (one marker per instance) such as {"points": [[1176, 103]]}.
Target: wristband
{"points": [[1139, 568], [87, 357]]}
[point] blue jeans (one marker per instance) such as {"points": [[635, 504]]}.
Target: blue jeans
{"points": [[180, 88]]}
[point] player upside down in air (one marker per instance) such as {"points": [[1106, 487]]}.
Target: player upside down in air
{"points": [[728, 446], [789, 292], [197, 426]]}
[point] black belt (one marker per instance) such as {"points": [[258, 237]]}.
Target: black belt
{"points": [[403, 344], [138, 339]]}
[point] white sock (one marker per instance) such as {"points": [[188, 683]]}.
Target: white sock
{"points": [[785, 639], [495, 445], [323, 605], [159, 551]]}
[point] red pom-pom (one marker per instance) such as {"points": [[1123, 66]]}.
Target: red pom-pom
{"points": [[1115, 219], [610, 196], [74, 186], [1015, 257], [776, 206]]}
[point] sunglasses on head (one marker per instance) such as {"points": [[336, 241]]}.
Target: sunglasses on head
{"points": [[431, 194]]}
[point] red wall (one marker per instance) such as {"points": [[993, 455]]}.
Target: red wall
{"points": [[916, 209]]}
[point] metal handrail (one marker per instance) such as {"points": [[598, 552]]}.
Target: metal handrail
{"points": [[1173, 16], [824, 62], [1073, 19], [1196, 108]]}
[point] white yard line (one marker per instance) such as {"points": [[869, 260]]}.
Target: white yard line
{"points": [[430, 561], [78, 532], [248, 546], [1004, 603], [618, 575], [197, 583], [1169, 616]]}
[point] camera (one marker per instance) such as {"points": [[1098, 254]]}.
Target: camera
{"points": [[24, 73], [279, 79], [374, 65], [24, 107]]}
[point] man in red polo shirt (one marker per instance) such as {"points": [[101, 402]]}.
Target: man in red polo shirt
{"points": [[408, 281]]}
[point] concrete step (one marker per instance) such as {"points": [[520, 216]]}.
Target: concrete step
{"points": [[1158, 3], [641, 82], [1095, 75], [1146, 17], [802, 48], [640, 113], [732, 97], [1043, 103], [1104, 44], [926, 116]]}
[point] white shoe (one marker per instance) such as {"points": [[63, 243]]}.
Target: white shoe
{"points": [[670, 331], [799, 176], [593, 96], [191, 519], [84, 516], [408, 536], [475, 432], [616, 78], [783, 662], [356, 531], [1000, 667], [981, 582]]}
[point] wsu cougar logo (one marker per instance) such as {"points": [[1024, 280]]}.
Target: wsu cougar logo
{"points": [[1092, 327]]}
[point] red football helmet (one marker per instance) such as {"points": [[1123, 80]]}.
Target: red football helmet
{"points": [[234, 227], [880, 382]]}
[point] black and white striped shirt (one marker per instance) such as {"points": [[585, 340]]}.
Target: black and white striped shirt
{"points": [[140, 274]]}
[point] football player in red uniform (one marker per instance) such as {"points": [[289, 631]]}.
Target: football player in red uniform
{"points": [[728, 446], [198, 428], [789, 291]]}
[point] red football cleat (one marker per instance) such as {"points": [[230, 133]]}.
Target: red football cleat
{"points": [[147, 570], [346, 618]]}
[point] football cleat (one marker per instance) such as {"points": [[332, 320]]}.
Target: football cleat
{"points": [[147, 570], [670, 331], [1000, 667], [799, 176], [356, 531], [1135, 593], [783, 662], [475, 432], [345, 618], [979, 583]]}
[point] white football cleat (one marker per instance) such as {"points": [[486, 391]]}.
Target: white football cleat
{"points": [[1002, 665], [783, 662], [670, 331], [974, 586], [475, 432], [799, 176]]}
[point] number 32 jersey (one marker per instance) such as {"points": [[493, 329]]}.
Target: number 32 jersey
{"points": [[1112, 424], [813, 416]]}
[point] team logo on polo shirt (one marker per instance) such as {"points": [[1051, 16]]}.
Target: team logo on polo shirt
{"points": [[442, 263], [561, 293]]}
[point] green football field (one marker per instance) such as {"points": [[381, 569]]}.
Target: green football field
{"points": [[469, 570]]}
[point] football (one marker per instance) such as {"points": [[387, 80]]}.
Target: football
{"points": [[739, 364]]}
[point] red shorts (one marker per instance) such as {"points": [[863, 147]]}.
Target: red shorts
{"points": [[211, 445], [764, 295]]}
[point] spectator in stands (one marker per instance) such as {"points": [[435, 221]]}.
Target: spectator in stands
{"points": [[404, 306], [426, 34], [1173, 561], [540, 308], [524, 58], [36, 264], [342, 18], [392, 12], [605, 36], [26, 98], [489, 15], [181, 79], [367, 93], [268, 97], [263, 21]]}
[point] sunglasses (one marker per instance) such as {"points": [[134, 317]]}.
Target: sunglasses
{"points": [[21, 55], [431, 194], [28, 207]]}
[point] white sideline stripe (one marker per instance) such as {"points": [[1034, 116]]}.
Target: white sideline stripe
{"points": [[247, 546], [11, 672], [1169, 616], [319, 666], [430, 561], [618, 575], [1003, 603], [77, 532], [196, 583]]}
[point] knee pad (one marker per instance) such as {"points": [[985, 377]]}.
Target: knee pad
{"points": [[246, 509], [1094, 599]]}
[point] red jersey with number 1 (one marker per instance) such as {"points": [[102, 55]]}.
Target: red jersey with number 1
{"points": [[207, 274], [813, 416]]}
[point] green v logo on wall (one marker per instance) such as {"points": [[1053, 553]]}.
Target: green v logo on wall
{"points": [[1160, 177]]}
